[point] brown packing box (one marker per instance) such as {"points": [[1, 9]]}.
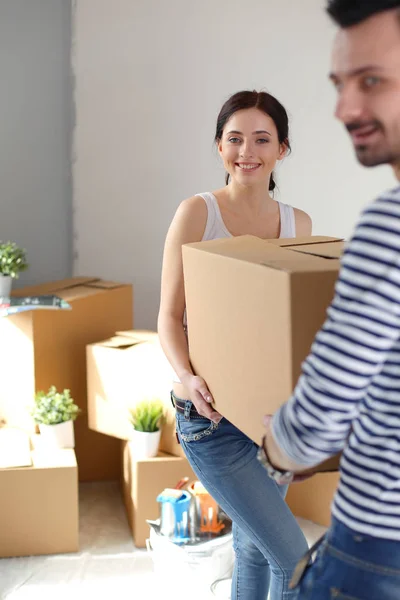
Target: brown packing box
{"points": [[122, 371], [48, 347], [142, 482], [312, 499], [253, 308], [39, 505]]}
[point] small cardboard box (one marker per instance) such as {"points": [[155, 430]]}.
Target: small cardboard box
{"points": [[122, 371], [40, 348], [253, 309], [142, 481], [39, 505]]}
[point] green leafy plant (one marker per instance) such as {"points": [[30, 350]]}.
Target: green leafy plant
{"points": [[12, 259], [52, 407], [147, 416]]}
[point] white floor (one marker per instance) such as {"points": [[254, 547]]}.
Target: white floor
{"points": [[108, 565]]}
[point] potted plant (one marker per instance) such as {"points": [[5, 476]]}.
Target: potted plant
{"points": [[147, 418], [55, 412], [12, 263]]}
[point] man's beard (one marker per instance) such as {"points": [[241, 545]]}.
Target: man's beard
{"points": [[370, 156]]}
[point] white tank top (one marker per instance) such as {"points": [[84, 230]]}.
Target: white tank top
{"points": [[216, 229]]}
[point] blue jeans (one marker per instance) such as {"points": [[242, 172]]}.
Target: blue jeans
{"points": [[352, 566], [267, 539]]}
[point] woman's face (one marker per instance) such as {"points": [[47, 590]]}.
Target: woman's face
{"points": [[250, 147]]}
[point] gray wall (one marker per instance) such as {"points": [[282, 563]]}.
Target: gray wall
{"points": [[35, 130], [150, 78]]}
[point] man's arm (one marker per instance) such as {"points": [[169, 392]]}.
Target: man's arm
{"points": [[362, 326]]}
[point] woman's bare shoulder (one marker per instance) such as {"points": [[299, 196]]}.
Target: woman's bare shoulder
{"points": [[303, 223], [190, 219]]}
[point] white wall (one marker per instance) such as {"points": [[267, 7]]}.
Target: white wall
{"points": [[150, 79], [35, 129]]}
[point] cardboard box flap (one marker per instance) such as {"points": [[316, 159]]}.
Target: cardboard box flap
{"points": [[118, 341], [311, 264], [221, 244], [123, 342], [89, 288], [328, 250], [301, 241], [261, 253], [139, 335], [54, 287], [316, 254], [287, 251], [104, 285], [76, 292], [248, 248]]}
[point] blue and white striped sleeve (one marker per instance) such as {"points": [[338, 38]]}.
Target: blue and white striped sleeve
{"points": [[363, 324]]}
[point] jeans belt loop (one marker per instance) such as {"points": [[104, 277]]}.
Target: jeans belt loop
{"points": [[188, 406], [172, 399]]}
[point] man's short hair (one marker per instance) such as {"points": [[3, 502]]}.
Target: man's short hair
{"points": [[351, 12]]}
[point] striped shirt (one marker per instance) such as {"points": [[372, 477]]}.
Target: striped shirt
{"points": [[348, 395]]}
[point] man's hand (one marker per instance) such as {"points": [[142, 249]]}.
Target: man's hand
{"points": [[277, 457]]}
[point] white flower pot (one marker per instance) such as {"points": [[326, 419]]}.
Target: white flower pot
{"points": [[144, 444], [5, 286], [58, 436]]}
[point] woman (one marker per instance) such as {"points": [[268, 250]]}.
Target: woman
{"points": [[251, 136]]}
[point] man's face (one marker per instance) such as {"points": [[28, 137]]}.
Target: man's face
{"points": [[366, 74]]}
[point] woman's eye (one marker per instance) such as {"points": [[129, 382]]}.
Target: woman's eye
{"points": [[262, 141], [234, 140]]}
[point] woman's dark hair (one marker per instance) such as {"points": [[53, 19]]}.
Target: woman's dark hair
{"points": [[351, 12], [264, 102]]}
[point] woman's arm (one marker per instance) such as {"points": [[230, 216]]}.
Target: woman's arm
{"points": [[187, 226]]}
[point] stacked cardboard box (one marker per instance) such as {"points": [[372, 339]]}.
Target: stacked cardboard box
{"points": [[40, 348], [39, 505], [122, 371], [253, 309], [143, 480]]}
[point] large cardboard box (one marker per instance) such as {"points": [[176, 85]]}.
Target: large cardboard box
{"points": [[253, 308], [142, 481], [39, 505], [40, 348], [312, 499], [122, 371]]}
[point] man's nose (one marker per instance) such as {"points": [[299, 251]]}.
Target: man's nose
{"points": [[350, 106]]}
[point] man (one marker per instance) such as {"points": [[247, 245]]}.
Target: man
{"points": [[348, 397]]}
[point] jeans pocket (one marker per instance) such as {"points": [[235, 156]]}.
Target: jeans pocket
{"points": [[194, 429], [309, 584]]}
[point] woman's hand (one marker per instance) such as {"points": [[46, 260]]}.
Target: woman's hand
{"points": [[201, 397]]}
